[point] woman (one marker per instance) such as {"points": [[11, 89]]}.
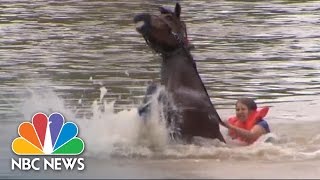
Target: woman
{"points": [[248, 124]]}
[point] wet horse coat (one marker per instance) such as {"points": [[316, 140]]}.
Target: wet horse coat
{"points": [[166, 34]]}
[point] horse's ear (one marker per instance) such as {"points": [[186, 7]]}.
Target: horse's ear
{"points": [[177, 10]]}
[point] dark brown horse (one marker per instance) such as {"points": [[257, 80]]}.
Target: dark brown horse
{"points": [[166, 34]]}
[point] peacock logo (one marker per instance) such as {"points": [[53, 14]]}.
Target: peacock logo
{"points": [[48, 136]]}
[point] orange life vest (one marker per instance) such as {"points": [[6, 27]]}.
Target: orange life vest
{"points": [[249, 123]]}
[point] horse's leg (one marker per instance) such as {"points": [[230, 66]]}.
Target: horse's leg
{"points": [[145, 107], [198, 124]]}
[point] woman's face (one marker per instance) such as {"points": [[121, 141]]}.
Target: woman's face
{"points": [[242, 111]]}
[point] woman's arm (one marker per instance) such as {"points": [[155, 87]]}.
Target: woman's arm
{"points": [[248, 136]]}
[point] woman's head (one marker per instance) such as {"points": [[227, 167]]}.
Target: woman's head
{"points": [[244, 106]]}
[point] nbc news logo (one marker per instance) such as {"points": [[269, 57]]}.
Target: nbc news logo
{"points": [[48, 136]]}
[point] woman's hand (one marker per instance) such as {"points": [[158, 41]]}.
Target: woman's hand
{"points": [[231, 127], [227, 125]]}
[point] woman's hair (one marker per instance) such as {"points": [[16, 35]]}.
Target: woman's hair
{"points": [[248, 102]]}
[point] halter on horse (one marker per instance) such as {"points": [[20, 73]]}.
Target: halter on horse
{"points": [[166, 34]]}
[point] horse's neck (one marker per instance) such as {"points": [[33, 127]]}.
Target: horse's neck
{"points": [[179, 69]]}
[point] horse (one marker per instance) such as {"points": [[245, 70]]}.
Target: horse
{"points": [[166, 34]]}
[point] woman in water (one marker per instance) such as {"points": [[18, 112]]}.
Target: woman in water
{"points": [[248, 124]]}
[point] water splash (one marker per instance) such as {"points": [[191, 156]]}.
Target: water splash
{"points": [[44, 100]]}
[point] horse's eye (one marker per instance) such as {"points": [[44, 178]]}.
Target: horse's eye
{"points": [[169, 18]]}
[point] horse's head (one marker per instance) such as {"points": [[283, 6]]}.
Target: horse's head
{"points": [[165, 32]]}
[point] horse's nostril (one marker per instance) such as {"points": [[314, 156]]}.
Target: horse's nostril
{"points": [[142, 22], [139, 25], [141, 17]]}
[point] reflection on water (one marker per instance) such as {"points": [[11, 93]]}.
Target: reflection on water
{"points": [[267, 50]]}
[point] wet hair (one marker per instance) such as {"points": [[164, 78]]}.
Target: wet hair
{"points": [[248, 102]]}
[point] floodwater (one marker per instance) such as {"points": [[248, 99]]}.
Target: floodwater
{"points": [[84, 59]]}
